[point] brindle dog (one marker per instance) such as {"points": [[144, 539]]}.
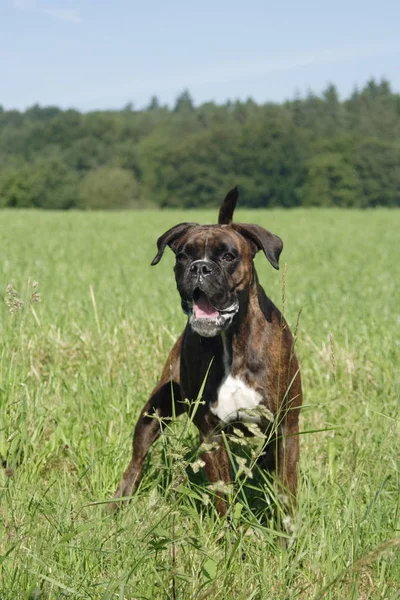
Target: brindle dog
{"points": [[236, 343]]}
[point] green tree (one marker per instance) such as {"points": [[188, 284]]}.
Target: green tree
{"points": [[108, 187], [312, 150], [20, 187], [154, 104], [43, 184], [184, 103], [188, 171], [330, 181], [377, 163], [87, 153]]}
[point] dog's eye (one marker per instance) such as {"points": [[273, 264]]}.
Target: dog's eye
{"points": [[181, 256], [228, 257]]}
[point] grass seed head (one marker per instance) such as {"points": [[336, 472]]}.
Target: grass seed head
{"points": [[12, 300]]}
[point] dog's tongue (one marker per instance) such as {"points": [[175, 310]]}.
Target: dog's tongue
{"points": [[203, 309]]}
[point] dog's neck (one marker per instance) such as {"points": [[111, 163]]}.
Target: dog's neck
{"points": [[240, 340]]}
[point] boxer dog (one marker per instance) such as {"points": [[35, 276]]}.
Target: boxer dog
{"points": [[236, 348]]}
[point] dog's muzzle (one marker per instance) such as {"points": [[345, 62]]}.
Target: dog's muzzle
{"points": [[204, 318], [206, 297]]}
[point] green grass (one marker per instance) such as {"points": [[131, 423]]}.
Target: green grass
{"points": [[77, 367]]}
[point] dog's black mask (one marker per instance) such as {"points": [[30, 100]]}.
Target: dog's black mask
{"points": [[204, 280]]}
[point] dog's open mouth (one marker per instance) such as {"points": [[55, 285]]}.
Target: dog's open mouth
{"points": [[202, 307], [204, 318]]}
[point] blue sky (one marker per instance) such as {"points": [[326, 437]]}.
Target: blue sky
{"points": [[90, 54]]}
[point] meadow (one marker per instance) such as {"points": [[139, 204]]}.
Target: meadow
{"points": [[82, 345]]}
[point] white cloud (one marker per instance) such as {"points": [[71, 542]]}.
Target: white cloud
{"points": [[241, 70], [167, 83], [70, 15], [245, 69], [23, 4], [62, 14]]}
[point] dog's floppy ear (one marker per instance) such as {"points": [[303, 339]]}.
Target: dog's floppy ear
{"points": [[227, 207], [170, 238], [261, 239]]}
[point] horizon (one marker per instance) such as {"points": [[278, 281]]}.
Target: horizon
{"points": [[130, 106]]}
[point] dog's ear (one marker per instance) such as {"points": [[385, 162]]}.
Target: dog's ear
{"points": [[261, 239], [170, 238], [227, 207]]}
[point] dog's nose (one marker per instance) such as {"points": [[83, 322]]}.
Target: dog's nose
{"points": [[200, 267]]}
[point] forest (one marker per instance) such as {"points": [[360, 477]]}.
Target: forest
{"points": [[315, 150]]}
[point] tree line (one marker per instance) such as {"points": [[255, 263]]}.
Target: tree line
{"points": [[309, 151]]}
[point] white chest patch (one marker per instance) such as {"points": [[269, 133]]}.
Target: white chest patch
{"points": [[234, 397]]}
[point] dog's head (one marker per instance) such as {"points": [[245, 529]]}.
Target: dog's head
{"points": [[214, 263]]}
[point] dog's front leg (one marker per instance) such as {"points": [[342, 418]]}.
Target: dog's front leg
{"points": [[218, 471], [288, 458], [163, 403]]}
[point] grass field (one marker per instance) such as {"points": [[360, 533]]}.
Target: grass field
{"points": [[77, 366]]}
